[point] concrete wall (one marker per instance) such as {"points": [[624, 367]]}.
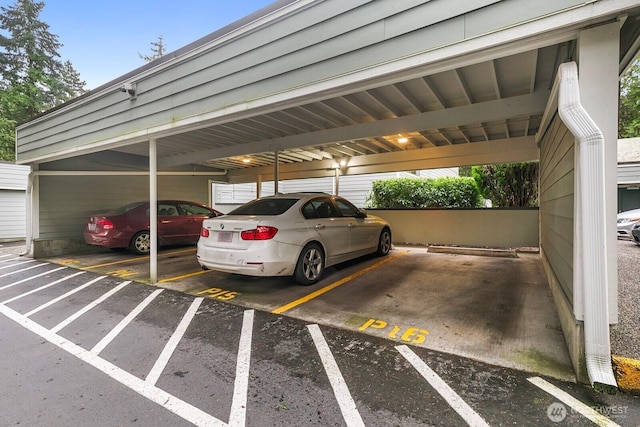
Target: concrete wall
{"points": [[473, 227]]}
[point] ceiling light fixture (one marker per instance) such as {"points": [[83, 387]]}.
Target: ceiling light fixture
{"points": [[403, 140]]}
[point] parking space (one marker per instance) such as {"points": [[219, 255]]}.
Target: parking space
{"points": [[210, 363], [498, 310]]}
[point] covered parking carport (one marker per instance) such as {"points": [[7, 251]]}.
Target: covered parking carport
{"points": [[323, 88]]}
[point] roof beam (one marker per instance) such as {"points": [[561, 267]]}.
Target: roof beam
{"points": [[450, 117], [500, 151]]}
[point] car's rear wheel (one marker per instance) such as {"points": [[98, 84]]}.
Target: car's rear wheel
{"points": [[310, 265], [141, 243], [384, 243]]}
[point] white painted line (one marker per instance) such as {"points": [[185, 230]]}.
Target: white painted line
{"points": [[169, 348], [238, 413], [124, 322], [10, 285], [22, 261], [24, 269], [88, 307], [586, 411], [61, 297], [343, 396], [179, 407], [48, 285], [467, 413]]}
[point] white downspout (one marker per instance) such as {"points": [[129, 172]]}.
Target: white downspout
{"points": [[29, 215], [590, 239]]}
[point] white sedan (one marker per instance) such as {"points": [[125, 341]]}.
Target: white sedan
{"points": [[297, 234]]}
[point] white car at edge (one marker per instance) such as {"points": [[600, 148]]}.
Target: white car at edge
{"points": [[298, 234], [626, 220]]}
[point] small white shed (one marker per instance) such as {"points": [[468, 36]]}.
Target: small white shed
{"points": [[13, 186]]}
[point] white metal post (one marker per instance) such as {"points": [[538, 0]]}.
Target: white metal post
{"points": [[276, 173], [153, 211]]}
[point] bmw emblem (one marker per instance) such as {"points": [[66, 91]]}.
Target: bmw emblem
{"points": [[221, 226]]}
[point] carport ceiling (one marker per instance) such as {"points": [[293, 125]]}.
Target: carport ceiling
{"points": [[499, 99]]}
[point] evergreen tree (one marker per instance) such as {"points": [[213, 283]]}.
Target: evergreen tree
{"points": [[508, 184], [629, 109], [158, 49], [33, 78]]}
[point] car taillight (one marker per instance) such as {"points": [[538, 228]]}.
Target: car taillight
{"points": [[204, 232], [261, 232], [105, 224]]}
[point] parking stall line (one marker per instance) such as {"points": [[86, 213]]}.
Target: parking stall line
{"points": [[341, 391], [17, 263], [467, 413], [185, 276], [237, 417], [138, 258], [10, 285], [48, 285], [164, 399], [586, 411], [61, 297], [24, 269], [124, 322], [173, 342], [88, 307], [333, 285]]}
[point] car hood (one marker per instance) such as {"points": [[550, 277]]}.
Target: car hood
{"points": [[635, 213]]}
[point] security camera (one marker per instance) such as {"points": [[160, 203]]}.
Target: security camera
{"points": [[129, 88]]}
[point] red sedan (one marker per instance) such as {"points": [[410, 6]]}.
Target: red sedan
{"points": [[179, 222]]}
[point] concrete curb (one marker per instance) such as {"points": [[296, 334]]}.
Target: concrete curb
{"points": [[627, 373], [460, 250]]}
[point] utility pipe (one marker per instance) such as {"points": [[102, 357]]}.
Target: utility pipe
{"points": [[590, 243]]}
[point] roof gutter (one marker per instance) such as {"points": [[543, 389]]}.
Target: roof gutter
{"points": [[590, 260]]}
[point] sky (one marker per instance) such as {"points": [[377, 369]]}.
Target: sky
{"points": [[103, 38]]}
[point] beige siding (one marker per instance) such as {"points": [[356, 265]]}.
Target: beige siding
{"points": [[556, 203], [66, 201]]}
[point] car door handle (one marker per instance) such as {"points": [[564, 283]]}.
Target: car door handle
{"points": [[351, 225], [165, 221], [319, 226]]}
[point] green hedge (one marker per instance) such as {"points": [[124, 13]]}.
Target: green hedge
{"points": [[448, 192]]}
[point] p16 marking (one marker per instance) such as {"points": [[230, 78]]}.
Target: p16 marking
{"points": [[217, 293], [410, 335]]}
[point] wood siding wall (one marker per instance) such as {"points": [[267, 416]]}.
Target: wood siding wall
{"points": [[311, 44], [557, 203], [67, 201], [13, 183]]}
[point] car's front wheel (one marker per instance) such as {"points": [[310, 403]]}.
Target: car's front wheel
{"points": [[141, 243], [310, 265], [384, 243]]}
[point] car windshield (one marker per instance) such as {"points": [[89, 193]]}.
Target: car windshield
{"points": [[264, 207]]}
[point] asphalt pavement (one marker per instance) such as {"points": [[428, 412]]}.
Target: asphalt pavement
{"points": [[625, 336], [79, 348]]}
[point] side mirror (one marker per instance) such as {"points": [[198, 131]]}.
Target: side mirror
{"points": [[361, 213]]}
